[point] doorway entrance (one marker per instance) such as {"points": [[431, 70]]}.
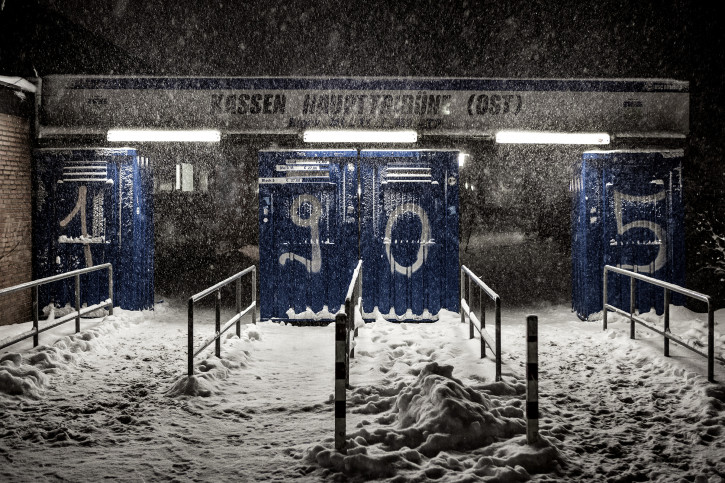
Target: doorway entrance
{"points": [[321, 210]]}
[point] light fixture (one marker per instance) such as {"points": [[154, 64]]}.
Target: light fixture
{"points": [[150, 135], [360, 136], [538, 137], [462, 158]]}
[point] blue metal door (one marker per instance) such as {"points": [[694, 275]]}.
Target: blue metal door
{"points": [[94, 206], [409, 233], [308, 219], [628, 213]]}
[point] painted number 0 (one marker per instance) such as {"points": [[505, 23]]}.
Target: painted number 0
{"points": [[314, 264], [655, 228], [425, 239]]}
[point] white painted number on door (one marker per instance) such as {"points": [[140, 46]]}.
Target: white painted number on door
{"points": [[659, 232], [425, 239], [313, 264]]}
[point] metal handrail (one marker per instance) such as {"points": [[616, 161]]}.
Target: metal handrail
{"points": [[344, 326], [34, 284], [219, 330], [466, 311], [668, 336]]}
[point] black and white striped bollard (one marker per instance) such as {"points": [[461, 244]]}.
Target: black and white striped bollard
{"points": [[532, 379], [340, 380]]}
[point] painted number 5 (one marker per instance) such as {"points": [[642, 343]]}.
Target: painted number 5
{"points": [[659, 232], [313, 264]]}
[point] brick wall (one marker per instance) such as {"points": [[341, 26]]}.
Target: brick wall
{"points": [[15, 216]]}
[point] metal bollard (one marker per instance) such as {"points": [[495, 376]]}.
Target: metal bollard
{"points": [[532, 379], [632, 305], [710, 341], [340, 381]]}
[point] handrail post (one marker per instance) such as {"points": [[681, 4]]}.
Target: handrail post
{"points": [[35, 315], [254, 294], [632, 281], [498, 339], [190, 368], [347, 341], [604, 301], [483, 309], [218, 323], [358, 298], [470, 308], [78, 303], [340, 381], [710, 341], [483, 326], [667, 321], [239, 305], [110, 288], [463, 295]]}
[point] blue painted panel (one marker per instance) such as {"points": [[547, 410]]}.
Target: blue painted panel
{"points": [[84, 216], [308, 231], [409, 232], [629, 214]]}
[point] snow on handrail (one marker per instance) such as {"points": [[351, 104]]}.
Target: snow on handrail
{"points": [[219, 330], [480, 324], [34, 284], [668, 287]]}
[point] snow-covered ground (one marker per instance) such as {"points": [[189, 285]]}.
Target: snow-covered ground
{"points": [[114, 402]]}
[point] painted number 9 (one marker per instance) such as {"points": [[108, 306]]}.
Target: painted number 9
{"points": [[314, 263]]}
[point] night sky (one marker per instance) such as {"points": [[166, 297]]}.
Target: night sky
{"points": [[413, 38]]}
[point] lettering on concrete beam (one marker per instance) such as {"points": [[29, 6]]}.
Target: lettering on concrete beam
{"points": [[246, 104], [375, 105]]}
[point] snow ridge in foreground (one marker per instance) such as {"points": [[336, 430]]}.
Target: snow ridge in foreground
{"points": [[435, 414]]}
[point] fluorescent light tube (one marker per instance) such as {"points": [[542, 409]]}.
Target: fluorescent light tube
{"points": [[360, 136], [537, 137], [148, 135]]}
